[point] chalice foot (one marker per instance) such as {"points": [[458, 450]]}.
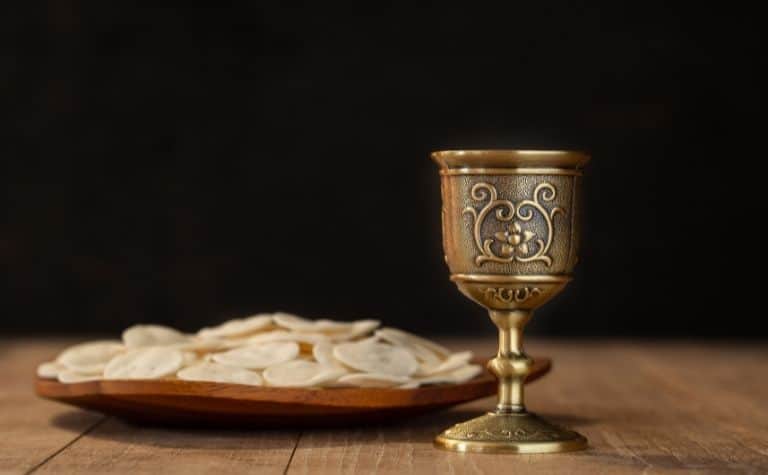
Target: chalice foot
{"points": [[515, 433]]}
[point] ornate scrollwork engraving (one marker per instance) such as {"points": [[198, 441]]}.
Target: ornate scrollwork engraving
{"points": [[461, 431], [515, 243], [509, 295]]}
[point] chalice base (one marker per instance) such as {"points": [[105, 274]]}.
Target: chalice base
{"points": [[515, 433]]}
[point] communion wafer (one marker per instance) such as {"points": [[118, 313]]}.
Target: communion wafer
{"points": [[144, 363], [301, 373], [90, 358], [218, 373], [358, 328], [282, 335], [189, 358], [459, 375], [238, 327], [50, 369], [397, 336], [426, 356], [207, 345], [323, 354], [259, 356], [298, 324], [374, 380], [139, 336], [292, 351], [67, 376], [371, 356], [466, 373], [454, 361]]}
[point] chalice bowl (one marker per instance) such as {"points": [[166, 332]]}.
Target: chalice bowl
{"points": [[510, 235]]}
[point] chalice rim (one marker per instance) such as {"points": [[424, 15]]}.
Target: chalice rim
{"points": [[510, 158]]}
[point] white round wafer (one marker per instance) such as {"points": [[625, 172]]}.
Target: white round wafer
{"points": [[457, 376], [91, 357], [373, 380], [139, 336], [298, 324], [219, 373], [202, 346], [259, 356], [373, 357], [238, 327], [189, 358], [144, 363], [466, 373], [282, 335], [454, 361], [323, 354], [301, 373], [425, 356], [357, 329], [400, 337], [50, 369], [69, 377]]}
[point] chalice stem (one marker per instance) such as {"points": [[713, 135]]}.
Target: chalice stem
{"points": [[511, 365]]}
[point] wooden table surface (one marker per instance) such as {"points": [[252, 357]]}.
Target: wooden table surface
{"points": [[646, 408]]}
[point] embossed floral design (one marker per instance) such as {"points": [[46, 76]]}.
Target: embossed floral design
{"points": [[514, 240], [516, 245]]}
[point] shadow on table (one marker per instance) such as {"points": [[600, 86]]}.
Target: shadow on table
{"points": [[116, 430], [416, 430], [414, 436]]}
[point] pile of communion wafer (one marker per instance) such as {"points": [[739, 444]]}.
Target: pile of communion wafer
{"points": [[280, 350]]}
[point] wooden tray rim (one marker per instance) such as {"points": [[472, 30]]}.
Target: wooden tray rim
{"points": [[330, 397]]}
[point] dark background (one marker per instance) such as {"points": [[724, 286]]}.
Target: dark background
{"points": [[184, 165]]}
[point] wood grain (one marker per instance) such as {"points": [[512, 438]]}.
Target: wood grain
{"points": [[118, 447], [651, 408], [27, 435]]}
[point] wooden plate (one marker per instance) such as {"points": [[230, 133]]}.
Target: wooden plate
{"points": [[204, 404]]}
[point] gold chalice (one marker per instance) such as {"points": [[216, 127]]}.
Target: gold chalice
{"points": [[510, 235]]}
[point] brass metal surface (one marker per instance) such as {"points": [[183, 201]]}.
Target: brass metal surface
{"points": [[510, 234], [561, 159], [509, 171], [493, 432]]}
